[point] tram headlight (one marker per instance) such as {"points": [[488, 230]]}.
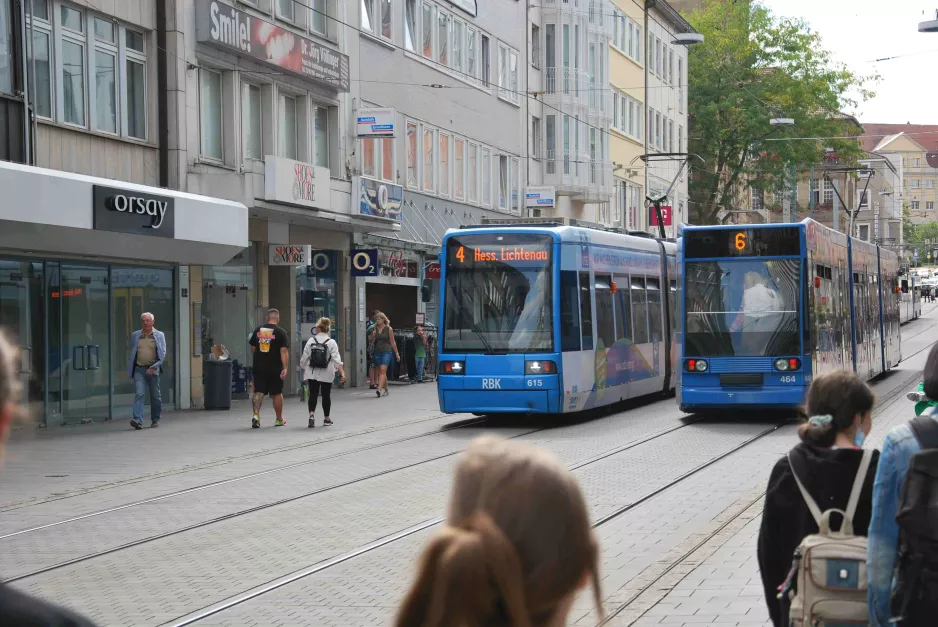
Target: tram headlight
{"points": [[452, 367], [540, 367], [784, 364]]}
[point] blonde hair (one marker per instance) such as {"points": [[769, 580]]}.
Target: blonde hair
{"points": [[381, 316], [324, 324], [517, 543]]}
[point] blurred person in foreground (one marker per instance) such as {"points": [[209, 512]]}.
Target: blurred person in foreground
{"points": [[515, 548], [16, 608]]}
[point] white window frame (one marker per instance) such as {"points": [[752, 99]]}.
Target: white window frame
{"points": [[412, 124], [536, 46], [929, 205], [444, 167], [298, 109], [929, 183], [44, 27], [459, 167], [63, 35], [508, 89], [680, 83], [313, 11], [515, 194], [504, 201], [473, 188], [536, 148], [246, 86], [428, 166], [416, 37], [914, 205], [129, 55], [314, 110], [916, 183], [294, 4], [221, 117], [112, 49], [486, 166]]}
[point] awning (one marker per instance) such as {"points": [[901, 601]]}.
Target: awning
{"points": [[50, 211]]}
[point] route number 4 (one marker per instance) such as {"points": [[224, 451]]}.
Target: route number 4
{"points": [[461, 254]]}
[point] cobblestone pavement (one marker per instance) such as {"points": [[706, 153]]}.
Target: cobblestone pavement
{"points": [[209, 520]]}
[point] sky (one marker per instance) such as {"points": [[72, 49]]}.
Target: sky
{"points": [[857, 32]]}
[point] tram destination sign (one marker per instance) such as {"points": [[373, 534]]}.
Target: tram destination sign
{"points": [[763, 242], [470, 252]]}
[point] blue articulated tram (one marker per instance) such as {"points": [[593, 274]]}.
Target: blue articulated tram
{"points": [[553, 318], [765, 308]]}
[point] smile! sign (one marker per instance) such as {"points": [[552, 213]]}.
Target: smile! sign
{"points": [[129, 211]]}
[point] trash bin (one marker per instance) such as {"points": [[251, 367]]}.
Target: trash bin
{"points": [[218, 384]]}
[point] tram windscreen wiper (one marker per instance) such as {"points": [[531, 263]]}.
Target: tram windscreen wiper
{"points": [[478, 329]]}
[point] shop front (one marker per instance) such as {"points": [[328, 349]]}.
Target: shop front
{"points": [[80, 260]]}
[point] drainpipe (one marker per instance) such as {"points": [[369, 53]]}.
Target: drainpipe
{"points": [[162, 83], [27, 135]]}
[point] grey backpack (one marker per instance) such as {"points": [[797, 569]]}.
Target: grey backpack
{"points": [[830, 566]]}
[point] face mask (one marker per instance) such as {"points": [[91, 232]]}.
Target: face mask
{"points": [[859, 438]]}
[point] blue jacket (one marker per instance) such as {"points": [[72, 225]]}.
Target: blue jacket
{"points": [[898, 448], [160, 350]]}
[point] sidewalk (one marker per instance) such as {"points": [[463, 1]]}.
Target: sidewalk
{"points": [[42, 463]]}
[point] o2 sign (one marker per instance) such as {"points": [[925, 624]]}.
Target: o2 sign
{"points": [[364, 262]]}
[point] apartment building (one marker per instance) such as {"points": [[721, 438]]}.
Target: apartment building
{"points": [[916, 146], [90, 236], [577, 107], [667, 177], [627, 128], [880, 216]]}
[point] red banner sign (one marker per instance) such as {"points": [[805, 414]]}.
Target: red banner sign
{"points": [[665, 215], [433, 270]]}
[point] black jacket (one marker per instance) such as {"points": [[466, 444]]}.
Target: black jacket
{"points": [[827, 475], [20, 610]]}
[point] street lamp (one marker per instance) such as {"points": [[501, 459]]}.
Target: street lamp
{"points": [[687, 39]]}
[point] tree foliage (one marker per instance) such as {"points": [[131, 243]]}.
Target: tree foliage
{"points": [[921, 233], [753, 67]]}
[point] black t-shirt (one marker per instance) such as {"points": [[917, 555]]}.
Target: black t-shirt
{"points": [[19, 610], [268, 339]]}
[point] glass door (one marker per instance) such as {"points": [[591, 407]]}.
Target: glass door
{"points": [[21, 316], [81, 297]]}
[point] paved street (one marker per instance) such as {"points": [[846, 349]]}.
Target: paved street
{"points": [[206, 520]]}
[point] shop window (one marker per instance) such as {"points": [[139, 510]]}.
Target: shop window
{"points": [[228, 310], [211, 114]]}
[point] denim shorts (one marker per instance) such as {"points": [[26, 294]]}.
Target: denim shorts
{"points": [[383, 359]]}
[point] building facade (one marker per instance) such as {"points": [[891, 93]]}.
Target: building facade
{"points": [[627, 127], [91, 236], [666, 75], [916, 147]]}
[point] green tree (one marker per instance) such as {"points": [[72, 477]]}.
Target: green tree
{"points": [[921, 233], [753, 67]]}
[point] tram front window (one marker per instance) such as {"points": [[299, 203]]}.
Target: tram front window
{"points": [[742, 308], [498, 294]]}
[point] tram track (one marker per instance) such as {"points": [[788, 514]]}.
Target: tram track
{"points": [[307, 494], [893, 396]]}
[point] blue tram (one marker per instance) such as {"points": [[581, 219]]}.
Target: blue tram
{"points": [[553, 318], [767, 307]]}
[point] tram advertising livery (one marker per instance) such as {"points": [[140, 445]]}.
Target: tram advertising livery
{"points": [[766, 308], [553, 318]]}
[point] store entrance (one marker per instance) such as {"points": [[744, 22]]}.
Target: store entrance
{"points": [[20, 301]]}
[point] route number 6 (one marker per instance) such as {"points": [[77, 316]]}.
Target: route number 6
{"points": [[740, 241]]}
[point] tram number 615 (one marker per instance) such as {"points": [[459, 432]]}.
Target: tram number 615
{"points": [[535, 383], [740, 241]]}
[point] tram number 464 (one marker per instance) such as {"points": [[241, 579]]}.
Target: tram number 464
{"points": [[789, 378]]}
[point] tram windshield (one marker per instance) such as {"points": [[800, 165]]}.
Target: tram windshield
{"points": [[742, 308], [498, 294]]}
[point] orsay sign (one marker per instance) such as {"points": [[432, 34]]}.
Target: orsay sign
{"points": [[129, 211]]}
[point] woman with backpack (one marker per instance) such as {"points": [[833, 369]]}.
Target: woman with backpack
{"points": [[320, 361], [818, 475], [515, 549]]}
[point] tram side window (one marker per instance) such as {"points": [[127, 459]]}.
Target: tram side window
{"points": [[653, 292], [586, 312], [639, 311], [605, 315], [569, 312], [623, 310]]}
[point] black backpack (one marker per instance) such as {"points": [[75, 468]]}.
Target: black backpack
{"points": [[319, 354], [914, 599]]}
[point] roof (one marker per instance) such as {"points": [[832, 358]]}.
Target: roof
{"points": [[669, 13], [874, 134]]}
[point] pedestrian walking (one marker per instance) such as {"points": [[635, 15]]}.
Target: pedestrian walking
{"points": [[902, 559], [320, 361], [269, 343], [385, 347], [420, 354], [515, 548], [828, 470], [18, 609], [147, 352]]}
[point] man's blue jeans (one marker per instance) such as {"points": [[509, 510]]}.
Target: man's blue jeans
{"points": [[419, 363], [142, 381]]}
